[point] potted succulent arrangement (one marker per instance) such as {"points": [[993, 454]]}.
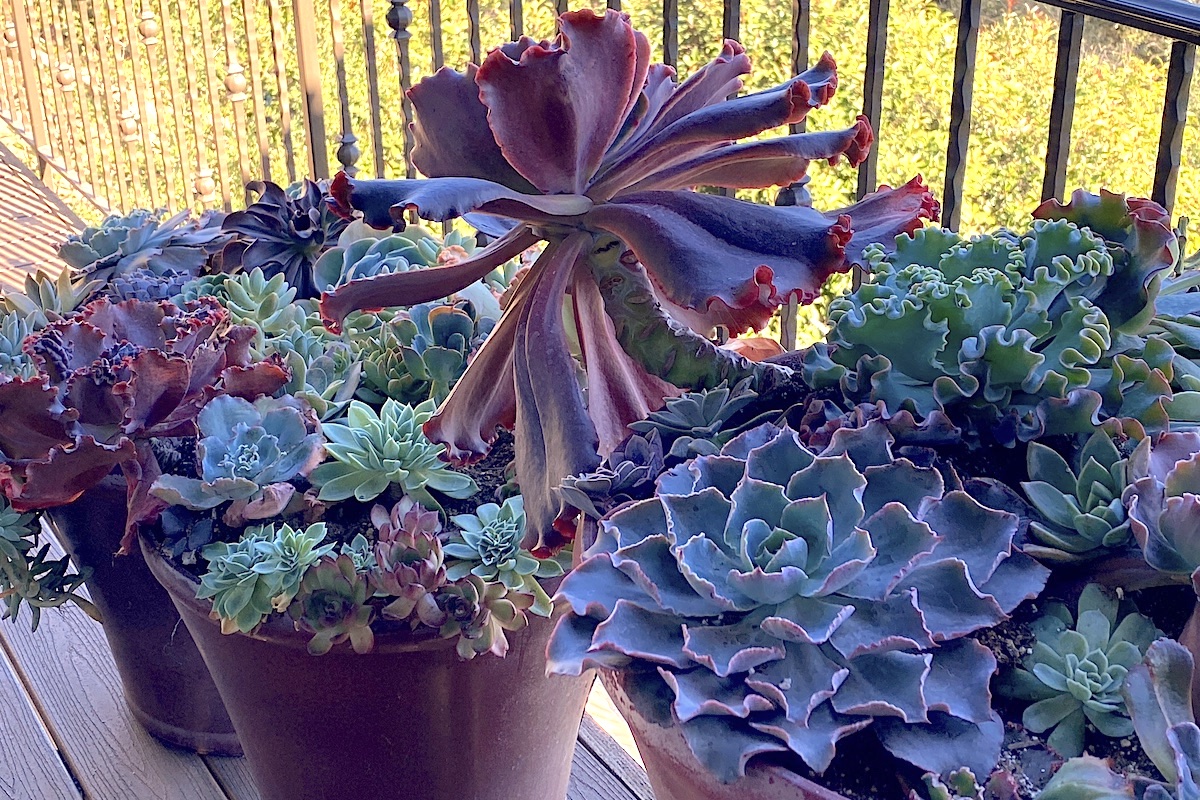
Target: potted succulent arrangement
{"points": [[943, 561]]}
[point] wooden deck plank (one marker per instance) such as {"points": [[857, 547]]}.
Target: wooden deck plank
{"points": [[69, 671], [30, 768], [616, 760]]}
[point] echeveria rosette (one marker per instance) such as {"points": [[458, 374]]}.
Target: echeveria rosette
{"points": [[1078, 667], [110, 378], [247, 455], [142, 241], [788, 599], [583, 138], [409, 562], [331, 603], [1025, 335]]}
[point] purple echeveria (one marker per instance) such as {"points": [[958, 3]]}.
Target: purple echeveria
{"points": [[583, 138]]}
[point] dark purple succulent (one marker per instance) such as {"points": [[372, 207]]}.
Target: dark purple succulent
{"points": [[583, 143], [282, 233]]}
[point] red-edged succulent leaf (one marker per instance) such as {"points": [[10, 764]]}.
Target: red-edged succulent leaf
{"points": [[420, 285], [157, 385], [729, 261], [140, 472], [31, 419], [451, 134], [557, 436], [620, 391], [64, 473], [556, 110], [886, 213]]}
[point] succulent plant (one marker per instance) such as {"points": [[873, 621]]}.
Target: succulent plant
{"points": [[147, 285], [961, 785], [627, 474], [15, 362], [1163, 502], [693, 424], [367, 257], [143, 240], [45, 299], [1077, 668], [268, 304], [28, 577], [325, 374], [361, 551], [488, 544], [409, 563], [418, 356], [332, 604], [491, 142], [1087, 778], [1083, 512], [778, 600], [111, 378], [282, 233], [479, 613], [1020, 335], [247, 454], [259, 573], [372, 451]]}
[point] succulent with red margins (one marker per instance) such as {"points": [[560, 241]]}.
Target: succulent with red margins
{"points": [[771, 599], [109, 378], [583, 139]]}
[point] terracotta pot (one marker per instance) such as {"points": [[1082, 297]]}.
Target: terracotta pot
{"points": [[676, 774], [407, 721], [167, 685]]}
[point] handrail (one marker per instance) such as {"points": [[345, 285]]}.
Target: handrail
{"points": [[1174, 19]]}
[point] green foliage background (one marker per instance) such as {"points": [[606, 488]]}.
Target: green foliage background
{"points": [[1117, 114]]}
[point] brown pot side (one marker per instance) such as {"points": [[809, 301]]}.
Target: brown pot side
{"points": [[676, 774], [408, 721], [166, 683]]}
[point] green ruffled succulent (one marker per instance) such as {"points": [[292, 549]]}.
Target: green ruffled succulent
{"points": [[1078, 667], [247, 454], [1023, 335], [366, 258], [260, 573], [372, 451], [332, 605], [773, 599], [693, 424], [488, 544], [28, 577], [419, 355], [1083, 513], [143, 240]]}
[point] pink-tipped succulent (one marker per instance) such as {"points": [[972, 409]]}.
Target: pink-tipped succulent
{"points": [[409, 561], [581, 140], [109, 379]]}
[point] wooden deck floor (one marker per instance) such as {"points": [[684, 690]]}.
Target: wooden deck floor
{"points": [[33, 221]]}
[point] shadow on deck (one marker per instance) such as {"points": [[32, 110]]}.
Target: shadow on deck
{"points": [[33, 222]]}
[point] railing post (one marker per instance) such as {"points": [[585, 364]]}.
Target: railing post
{"points": [[1062, 104], [960, 112], [877, 26], [309, 59], [29, 78], [1175, 111], [399, 17]]}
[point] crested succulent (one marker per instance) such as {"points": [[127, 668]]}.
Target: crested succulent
{"points": [[419, 355], [1083, 512], [627, 474], [246, 455], [143, 240], [111, 378], [491, 142], [1078, 667], [409, 562], [778, 599], [372, 451], [28, 577], [331, 603], [283, 233], [488, 544], [1020, 335], [693, 424], [259, 573]]}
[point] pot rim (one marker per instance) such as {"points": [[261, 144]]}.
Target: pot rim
{"points": [[277, 629]]}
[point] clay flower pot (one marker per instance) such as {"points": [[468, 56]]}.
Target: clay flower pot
{"points": [[407, 721], [676, 774], [167, 685]]}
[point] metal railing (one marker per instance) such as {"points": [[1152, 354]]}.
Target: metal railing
{"points": [[161, 103]]}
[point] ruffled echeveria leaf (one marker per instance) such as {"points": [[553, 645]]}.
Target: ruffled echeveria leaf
{"points": [[802, 620], [580, 139]]}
